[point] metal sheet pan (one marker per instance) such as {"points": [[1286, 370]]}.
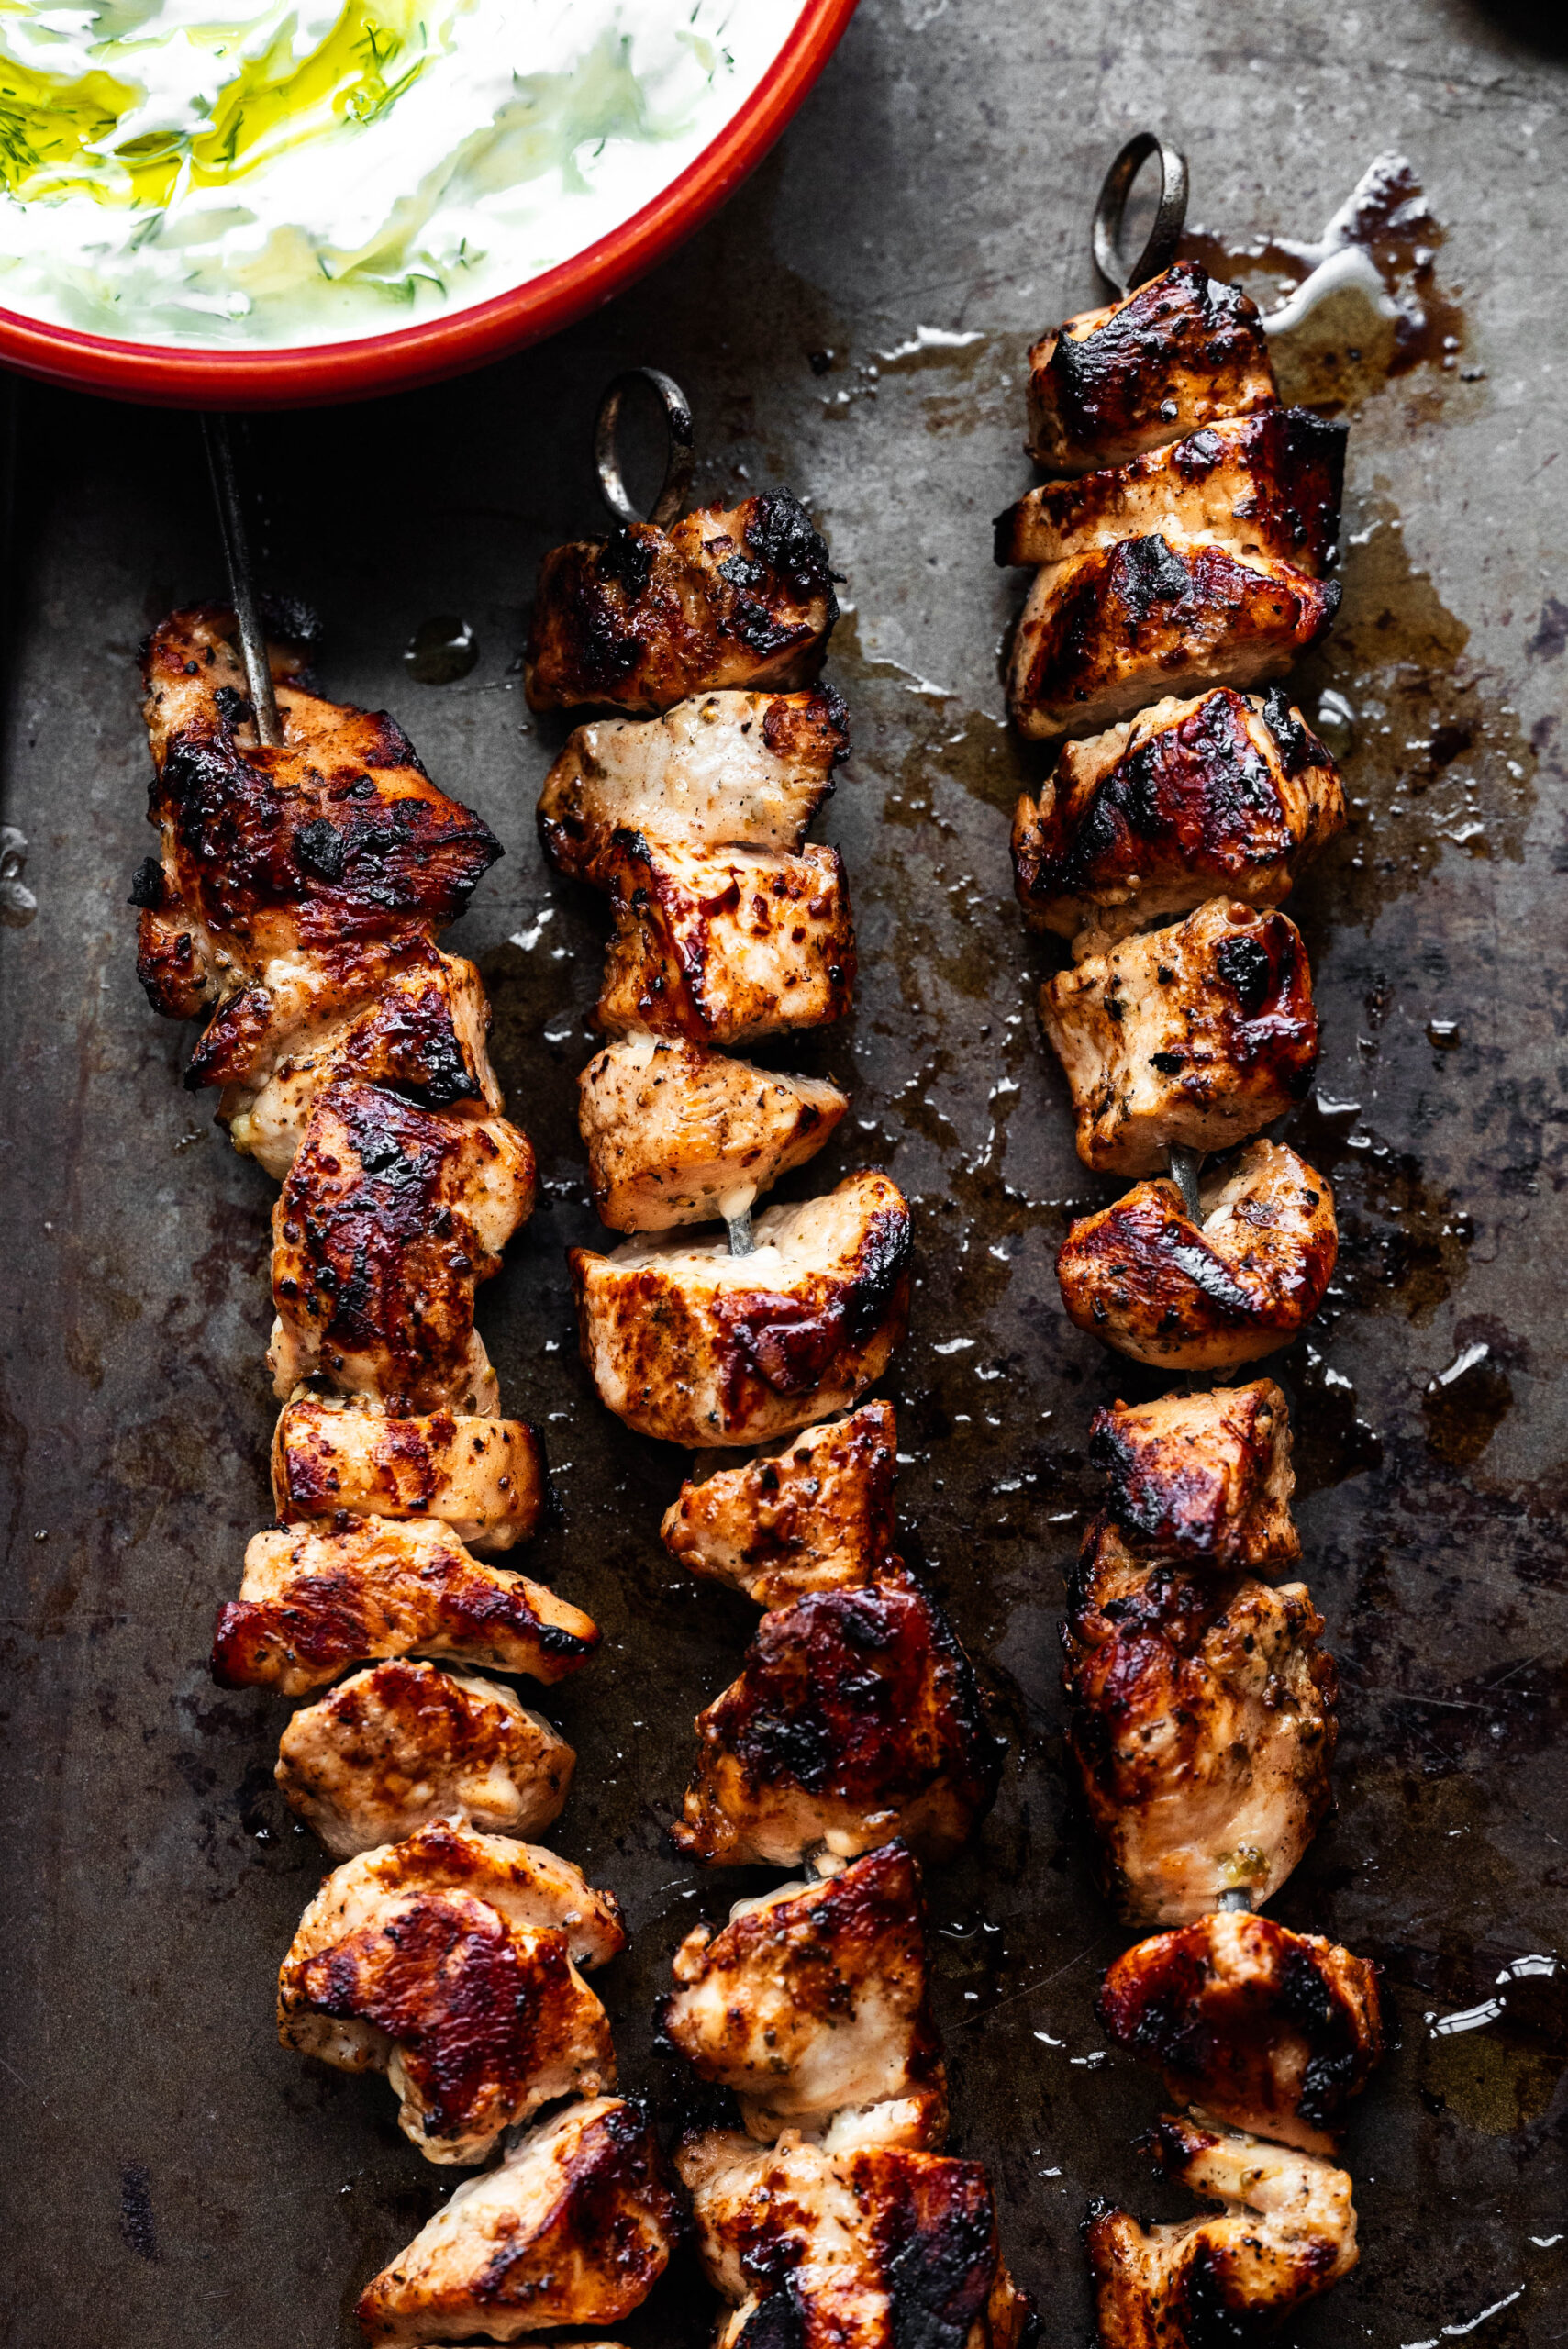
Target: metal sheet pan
{"points": [[171, 2175]]}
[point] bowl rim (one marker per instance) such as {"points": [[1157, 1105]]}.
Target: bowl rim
{"points": [[167, 376]]}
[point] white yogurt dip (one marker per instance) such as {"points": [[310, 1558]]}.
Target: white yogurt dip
{"points": [[306, 171]]}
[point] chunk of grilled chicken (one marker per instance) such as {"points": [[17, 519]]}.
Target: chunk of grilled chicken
{"points": [[483, 1477], [678, 1134], [395, 1748], [689, 1343], [724, 944], [1288, 2232], [818, 1514], [334, 839], [869, 2248], [855, 1722], [642, 619], [1157, 1286], [1202, 1478], [1203, 1728], [811, 2004], [475, 2021], [422, 1030], [1182, 351], [1226, 795], [574, 2228], [1267, 483], [1253, 2025], [1099, 636], [718, 769], [1196, 1036], [311, 1604], [390, 1217]]}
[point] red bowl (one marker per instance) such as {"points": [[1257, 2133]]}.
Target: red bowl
{"points": [[160, 375]]}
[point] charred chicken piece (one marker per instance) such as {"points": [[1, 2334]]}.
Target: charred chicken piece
{"points": [[475, 2021], [716, 770], [1253, 2025], [855, 1720], [1202, 1726], [817, 1515], [1202, 1478], [1288, 2232], [1264, 484], [449, 1961], [642, 619], [869, 2248], [723, 944], [574, 2228], [678, 1134], [695, 1346], [311, 1604], [1157, 1286], [1198, 1035], [1226, 795], [483, 1477], [421, 1029], [335, 838], [1183, 351], [391, 1217], [811, 2004], [1100, 635], [392, 1749]]}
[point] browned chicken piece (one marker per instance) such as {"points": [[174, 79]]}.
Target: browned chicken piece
{"points": [[450, 1961], [483, 1477], [1196, 1036], [817, 1515], [1288, 2232], [312, 1604], [874, 2247], [393, 1748], [1226, 795], [811, 2005], [1185, 1296], [1268, 483], [1202, 1478], [676, 1133], [391, 1217], [574, 2228], [724, 944], [422, 1030], [695, 1346], [718, 769], [1182, 351], [855, 1722], [1101, 635], [476, 2023], [644, 619], [1253, 2025], [333, 839], [1203, 1728]]}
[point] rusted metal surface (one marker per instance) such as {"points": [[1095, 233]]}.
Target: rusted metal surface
{"points": [[172, 2176]]}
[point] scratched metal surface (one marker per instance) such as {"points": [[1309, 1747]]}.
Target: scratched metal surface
{"points": [[171, 2175]]}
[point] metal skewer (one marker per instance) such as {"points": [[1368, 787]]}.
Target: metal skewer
{"points": [[241, 587], [679, 461]]}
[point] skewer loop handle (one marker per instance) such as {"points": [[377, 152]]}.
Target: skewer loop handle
{"points": [[679, 458], [1109, 211]]}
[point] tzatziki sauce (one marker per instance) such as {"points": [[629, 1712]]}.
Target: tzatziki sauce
{"points": [[295, 172]]}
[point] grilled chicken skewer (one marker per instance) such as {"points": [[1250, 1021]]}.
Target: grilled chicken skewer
{"points": [[307, 864], [1182, 551]]}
